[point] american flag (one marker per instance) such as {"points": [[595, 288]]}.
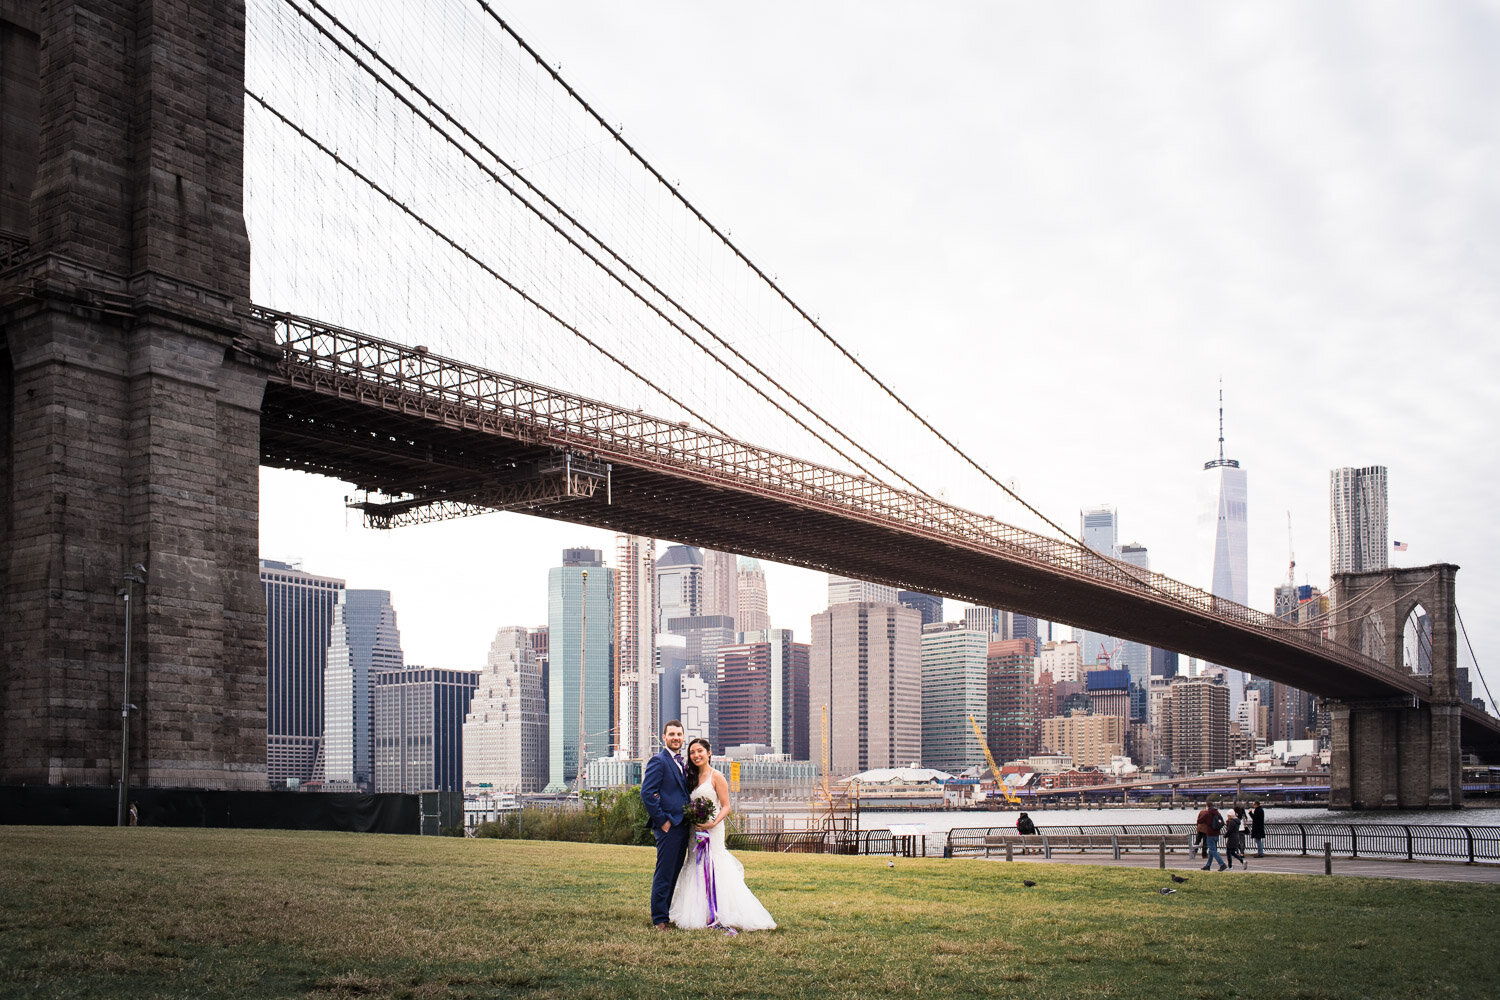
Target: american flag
{"points": [[1400, 546]]}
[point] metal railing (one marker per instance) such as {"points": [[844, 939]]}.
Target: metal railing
{"points": [[347, 364], [1387, 841], [831, 842]]}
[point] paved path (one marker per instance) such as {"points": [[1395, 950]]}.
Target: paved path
{"points": [[1436, 871]]}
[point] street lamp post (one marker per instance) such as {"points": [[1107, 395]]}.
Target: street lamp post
{"points": [[131, 579]]}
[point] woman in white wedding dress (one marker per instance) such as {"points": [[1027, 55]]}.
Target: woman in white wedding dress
{"points": [[711, 890]]}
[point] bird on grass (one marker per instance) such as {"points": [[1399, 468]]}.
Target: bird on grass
{"points": [[1027, 883], [1178, 879], [1166, 890]]}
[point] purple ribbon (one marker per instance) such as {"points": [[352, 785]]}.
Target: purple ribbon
{"points": [[702, 860]]}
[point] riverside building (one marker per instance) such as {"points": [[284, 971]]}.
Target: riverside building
{"points": [[419, 725], [763, 693], [364, 641], [505, 733], [299, 625], [580, 640], [865, 670], [953, 692]]}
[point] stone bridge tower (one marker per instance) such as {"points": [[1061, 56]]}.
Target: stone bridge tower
{"points": [[130, 392], [1397, 753]]}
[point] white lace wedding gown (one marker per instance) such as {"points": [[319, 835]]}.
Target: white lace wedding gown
{"points": [[734, 904]]}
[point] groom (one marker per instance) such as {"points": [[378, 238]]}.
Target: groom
{"points": [[664, 791]]}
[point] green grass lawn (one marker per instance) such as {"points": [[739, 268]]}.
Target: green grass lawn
{"points": [[91, 912]]}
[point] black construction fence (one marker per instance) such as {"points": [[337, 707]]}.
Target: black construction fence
{"points": [[72, 805]]}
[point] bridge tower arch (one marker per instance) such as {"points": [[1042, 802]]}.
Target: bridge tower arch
{"points": [[133, 382], [1398, 753]]}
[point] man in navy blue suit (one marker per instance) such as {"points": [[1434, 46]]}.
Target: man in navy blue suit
{"points": [[664, 791]]}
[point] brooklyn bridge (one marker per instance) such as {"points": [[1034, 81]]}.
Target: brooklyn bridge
{"points": [[143, 388]]}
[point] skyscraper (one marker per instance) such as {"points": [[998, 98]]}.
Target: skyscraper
{"points": [[1195, 724], [993, 622], [635, 644], [1135, 656], [763, 693], [1224, 519], [1011, 698], [1027, 627], [299, 620], [679, 584], [1091, 740], [865, 668], [419, 724], [754, 608], [1063, 660], [705, 635], [505, 732], [928, 605], [721, 585], [844, 590], [364, 640], [580, 637], [953, 691], [1098, 530], [1293, 712], [1358, 519]]}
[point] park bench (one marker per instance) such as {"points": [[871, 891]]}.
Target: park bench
{"points": [[1115, 843]]}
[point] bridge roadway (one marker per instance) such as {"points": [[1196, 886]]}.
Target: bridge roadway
{"points": [[439, 438]]}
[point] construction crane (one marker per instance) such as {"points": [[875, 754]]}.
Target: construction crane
{"points": [[989, 758]]}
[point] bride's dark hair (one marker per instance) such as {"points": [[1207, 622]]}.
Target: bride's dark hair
{"points": [[690, 770]]}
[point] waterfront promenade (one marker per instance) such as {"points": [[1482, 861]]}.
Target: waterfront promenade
{"points": [[1432, 871]]}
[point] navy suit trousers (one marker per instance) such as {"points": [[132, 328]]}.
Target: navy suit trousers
{"points": [[671, 849]]}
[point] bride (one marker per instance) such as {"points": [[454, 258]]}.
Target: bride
{"points": [[711, 890]]}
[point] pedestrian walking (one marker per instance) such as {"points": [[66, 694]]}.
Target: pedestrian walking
{"points": [[1210, 825], [1234, 840], [1258, 828]]}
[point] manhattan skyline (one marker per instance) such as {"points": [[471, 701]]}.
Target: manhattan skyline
{"points": [[1090, 220]]}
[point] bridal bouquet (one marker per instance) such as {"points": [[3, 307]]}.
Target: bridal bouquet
{"points": [[698, 811]]}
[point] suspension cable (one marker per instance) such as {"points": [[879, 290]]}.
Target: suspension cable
{"points": [[1484, 683], [479, 263], [511, 171], [765, 278]]}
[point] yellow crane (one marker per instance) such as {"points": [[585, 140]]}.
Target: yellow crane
{"points": [[989, 758]]}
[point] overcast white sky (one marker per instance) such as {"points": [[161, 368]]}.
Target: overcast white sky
{"points": [[1055, 228]]}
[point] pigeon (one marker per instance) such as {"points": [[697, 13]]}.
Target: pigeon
{"points": [[1178, 879], [1027, 883], [1166, 890], [890, 864]]}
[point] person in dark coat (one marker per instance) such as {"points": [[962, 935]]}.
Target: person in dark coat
{"points": [[1234, 840], [1258, 828], [1026, 828]]}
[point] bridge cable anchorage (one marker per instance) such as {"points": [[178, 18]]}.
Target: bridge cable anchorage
{"points": [[1482, 681], [512, 171], [528, 299], [765, 278]]}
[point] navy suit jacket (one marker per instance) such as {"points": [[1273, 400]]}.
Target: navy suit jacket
{"points": [[664, 789]]}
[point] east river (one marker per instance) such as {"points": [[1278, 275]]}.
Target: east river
{"points": [[942, 822], [939, 823]]}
